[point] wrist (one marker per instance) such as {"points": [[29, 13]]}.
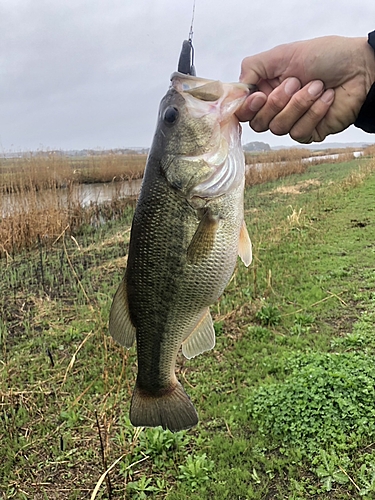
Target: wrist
{"points": [[366, 117], [369, 63], [362, 63]]}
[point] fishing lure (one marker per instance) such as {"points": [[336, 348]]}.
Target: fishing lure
{"points": [[186, 60]]}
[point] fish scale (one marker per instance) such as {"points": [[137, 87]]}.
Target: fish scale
{"points": [[186, 234]]}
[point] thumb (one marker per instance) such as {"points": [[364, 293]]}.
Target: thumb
{"points": [[253, 70], [266, 65]]}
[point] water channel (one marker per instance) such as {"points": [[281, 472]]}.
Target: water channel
{"points": [[85, 194]]}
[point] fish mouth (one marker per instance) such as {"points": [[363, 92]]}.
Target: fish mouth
{"points": [[205, 96], [221, 101]]}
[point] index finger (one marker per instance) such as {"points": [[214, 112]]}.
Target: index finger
{"points": [[251, 106]]}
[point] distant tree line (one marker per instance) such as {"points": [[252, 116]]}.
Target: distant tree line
{"points": [[256, 146]]}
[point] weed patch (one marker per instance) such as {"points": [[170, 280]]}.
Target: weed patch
{"points": [[326, 401]]}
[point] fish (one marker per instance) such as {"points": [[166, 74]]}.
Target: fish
{"points": [[187, 230]]}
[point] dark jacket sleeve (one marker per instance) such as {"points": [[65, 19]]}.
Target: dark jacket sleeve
{"points": [[366, 117]]}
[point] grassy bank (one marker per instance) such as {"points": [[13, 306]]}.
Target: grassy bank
{"points": [[286, 398]]}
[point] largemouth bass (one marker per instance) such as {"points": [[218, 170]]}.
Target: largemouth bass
{"points": [[187, 231]]}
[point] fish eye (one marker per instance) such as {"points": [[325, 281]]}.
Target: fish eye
{"points": [[170, 115]]}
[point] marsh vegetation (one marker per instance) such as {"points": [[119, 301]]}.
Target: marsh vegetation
{"points": [[43, 194]]}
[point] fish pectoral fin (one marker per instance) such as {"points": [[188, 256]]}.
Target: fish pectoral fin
{"points": [[120, 325], [244, 246], [203, 240], [201, 339]]}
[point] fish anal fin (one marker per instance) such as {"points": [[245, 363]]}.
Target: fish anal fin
{"points": [[120, 326], [244, 246], [201, 339], [203, 240], [172, 410]]}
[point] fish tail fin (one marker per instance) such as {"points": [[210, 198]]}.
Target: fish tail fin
{"points": [[173, 410]]}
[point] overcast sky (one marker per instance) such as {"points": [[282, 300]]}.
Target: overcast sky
{"points": [[80, 74]]}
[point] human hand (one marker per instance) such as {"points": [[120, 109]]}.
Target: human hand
{"points": [[308, 89]]}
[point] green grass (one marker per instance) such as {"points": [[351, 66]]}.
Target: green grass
{"points": [[286, 398]]}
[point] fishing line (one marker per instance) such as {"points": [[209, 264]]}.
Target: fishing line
{"points": [[191, 33], [186, 60], [191, 25]]}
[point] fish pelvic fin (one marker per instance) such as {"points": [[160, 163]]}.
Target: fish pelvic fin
{"points": [[201, 339], [203, 240], [244, 246], [120, 325], [172, 410]]}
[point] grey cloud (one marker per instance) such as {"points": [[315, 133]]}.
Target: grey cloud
{"points": [[78, 74]]}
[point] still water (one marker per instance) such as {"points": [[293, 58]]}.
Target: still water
{"points": [[84, 194], [100, 193]]}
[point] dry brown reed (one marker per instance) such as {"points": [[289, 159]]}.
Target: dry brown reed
{"points": [[110, 168], [41, 195], [28, 216], [277, 156], [273, 165], [369, 151], [46, 170], [34, 172], [268, 172], [45, 218], [358, 176]]}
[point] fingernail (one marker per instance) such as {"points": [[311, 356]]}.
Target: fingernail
{"points": [[256, 103], [292, 85], [315, 88], [328, 96]]}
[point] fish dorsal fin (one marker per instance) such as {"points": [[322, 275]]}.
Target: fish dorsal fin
{"points": [[203, 240], [211, 91], [244, 246], [201, 339], [120, 326]]}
